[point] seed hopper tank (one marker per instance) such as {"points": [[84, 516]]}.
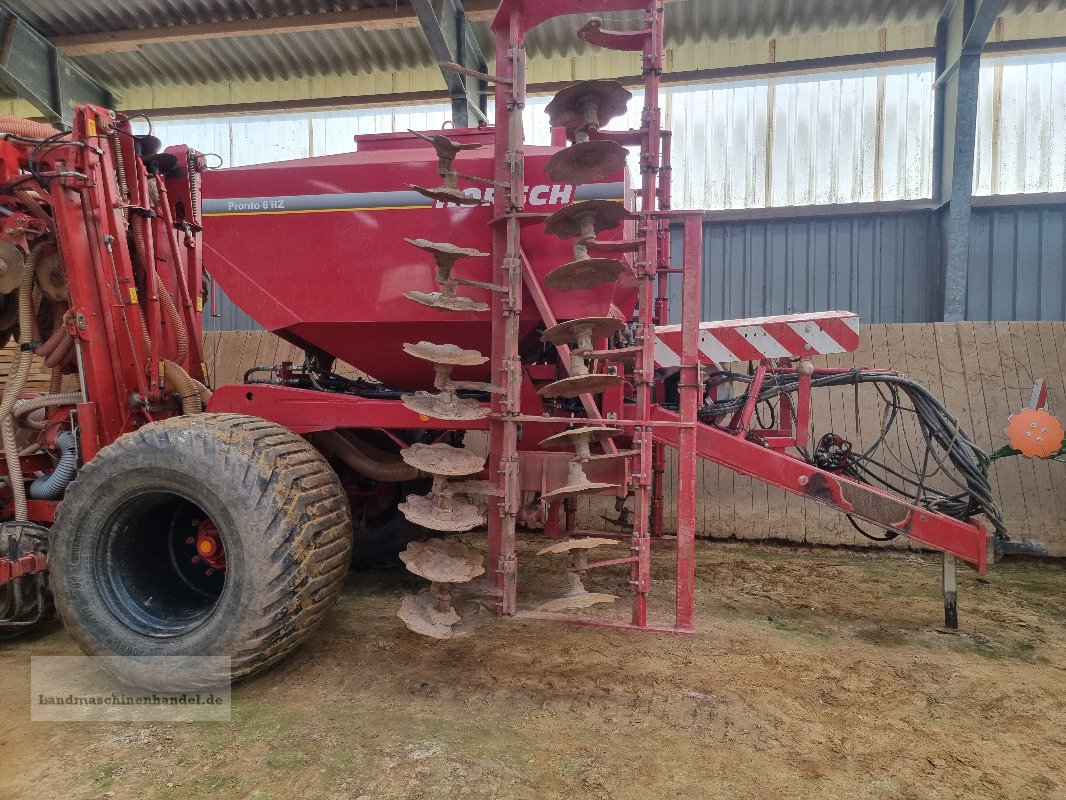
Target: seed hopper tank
{"points": [[314, 250]]}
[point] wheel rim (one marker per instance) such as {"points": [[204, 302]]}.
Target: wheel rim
{"points": [[161, 564]]}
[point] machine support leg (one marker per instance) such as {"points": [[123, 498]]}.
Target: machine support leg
{"points": [[951, 593]]}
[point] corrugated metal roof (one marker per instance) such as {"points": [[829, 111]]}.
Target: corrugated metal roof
{"points": [[353, 51]]}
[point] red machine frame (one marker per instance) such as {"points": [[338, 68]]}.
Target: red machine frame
{"points": [[123, 380], [514, 469]]}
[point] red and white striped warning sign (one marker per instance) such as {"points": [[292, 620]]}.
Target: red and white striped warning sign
{"points": [[758, 338]]}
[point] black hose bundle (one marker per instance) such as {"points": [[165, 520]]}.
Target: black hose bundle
{"points": [[948, 448]]}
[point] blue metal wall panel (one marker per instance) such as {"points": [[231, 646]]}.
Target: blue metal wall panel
{"points": [[885, 267], [229, 316], [1017, 263]]}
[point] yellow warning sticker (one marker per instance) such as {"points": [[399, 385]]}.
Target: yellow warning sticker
{"points": [[133, 294], [200, 303], [90, 126]]}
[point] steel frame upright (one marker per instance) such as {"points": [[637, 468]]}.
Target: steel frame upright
{"points": [[509, 174], [652, 265]]}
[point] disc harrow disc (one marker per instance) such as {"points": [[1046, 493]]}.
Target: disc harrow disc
{"points": [[457, 409], [443, 459], [419, 614], [576, 385], [452, 514], [52, 278], [439, 300], [584, 274], [450, 354], [568, 438], [446, 249], [604, 214], [575, 489], [443, 561], [584, 162], [11, 264], [570, 331], [603, 99], [445, 147], [568, 545], [446, 194]]}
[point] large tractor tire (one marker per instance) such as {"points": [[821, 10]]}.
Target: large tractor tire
{"points": [[206, 535]]}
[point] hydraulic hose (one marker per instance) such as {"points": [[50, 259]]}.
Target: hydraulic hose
{"points": [[33, 206], [16, 383], [181, 335], [193, 394], [366, 459], [24, 407], [9, 123], [52, 486], [52, 342], [59, 356]]}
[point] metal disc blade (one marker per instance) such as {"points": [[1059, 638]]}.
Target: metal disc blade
{"points": [[447, 195], [568, 438], [567, 545], [438, 300], [575, 489], [581, 384], [604, 214], [414, 612], [584, 274], [11, 263], [453, 514], [443, 459], [437, 406], [569, 108], [52, 278], [446, 249], [443, 560], [570, 331], [445, 354], [586, 162], [584, 600]]}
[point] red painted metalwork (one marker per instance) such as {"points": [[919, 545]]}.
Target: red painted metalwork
{"points": [[115, 221], [313, 250]]}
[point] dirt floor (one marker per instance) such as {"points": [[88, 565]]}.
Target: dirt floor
{"points": [[816, 673]]}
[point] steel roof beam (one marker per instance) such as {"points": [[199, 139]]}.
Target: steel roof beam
{"points": [[452, 40], [378, 19], [960, 38], [43, 76]]}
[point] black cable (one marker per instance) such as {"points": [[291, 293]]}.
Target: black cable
{"points": [[964, 464]]}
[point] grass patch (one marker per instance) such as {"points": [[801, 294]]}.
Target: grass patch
{"points": [[103, 775]]}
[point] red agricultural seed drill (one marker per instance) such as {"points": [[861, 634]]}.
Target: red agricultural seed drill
{"points": [[499, 294]]}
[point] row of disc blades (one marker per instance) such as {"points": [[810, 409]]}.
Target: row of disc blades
{"points": [[449, 566]]}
